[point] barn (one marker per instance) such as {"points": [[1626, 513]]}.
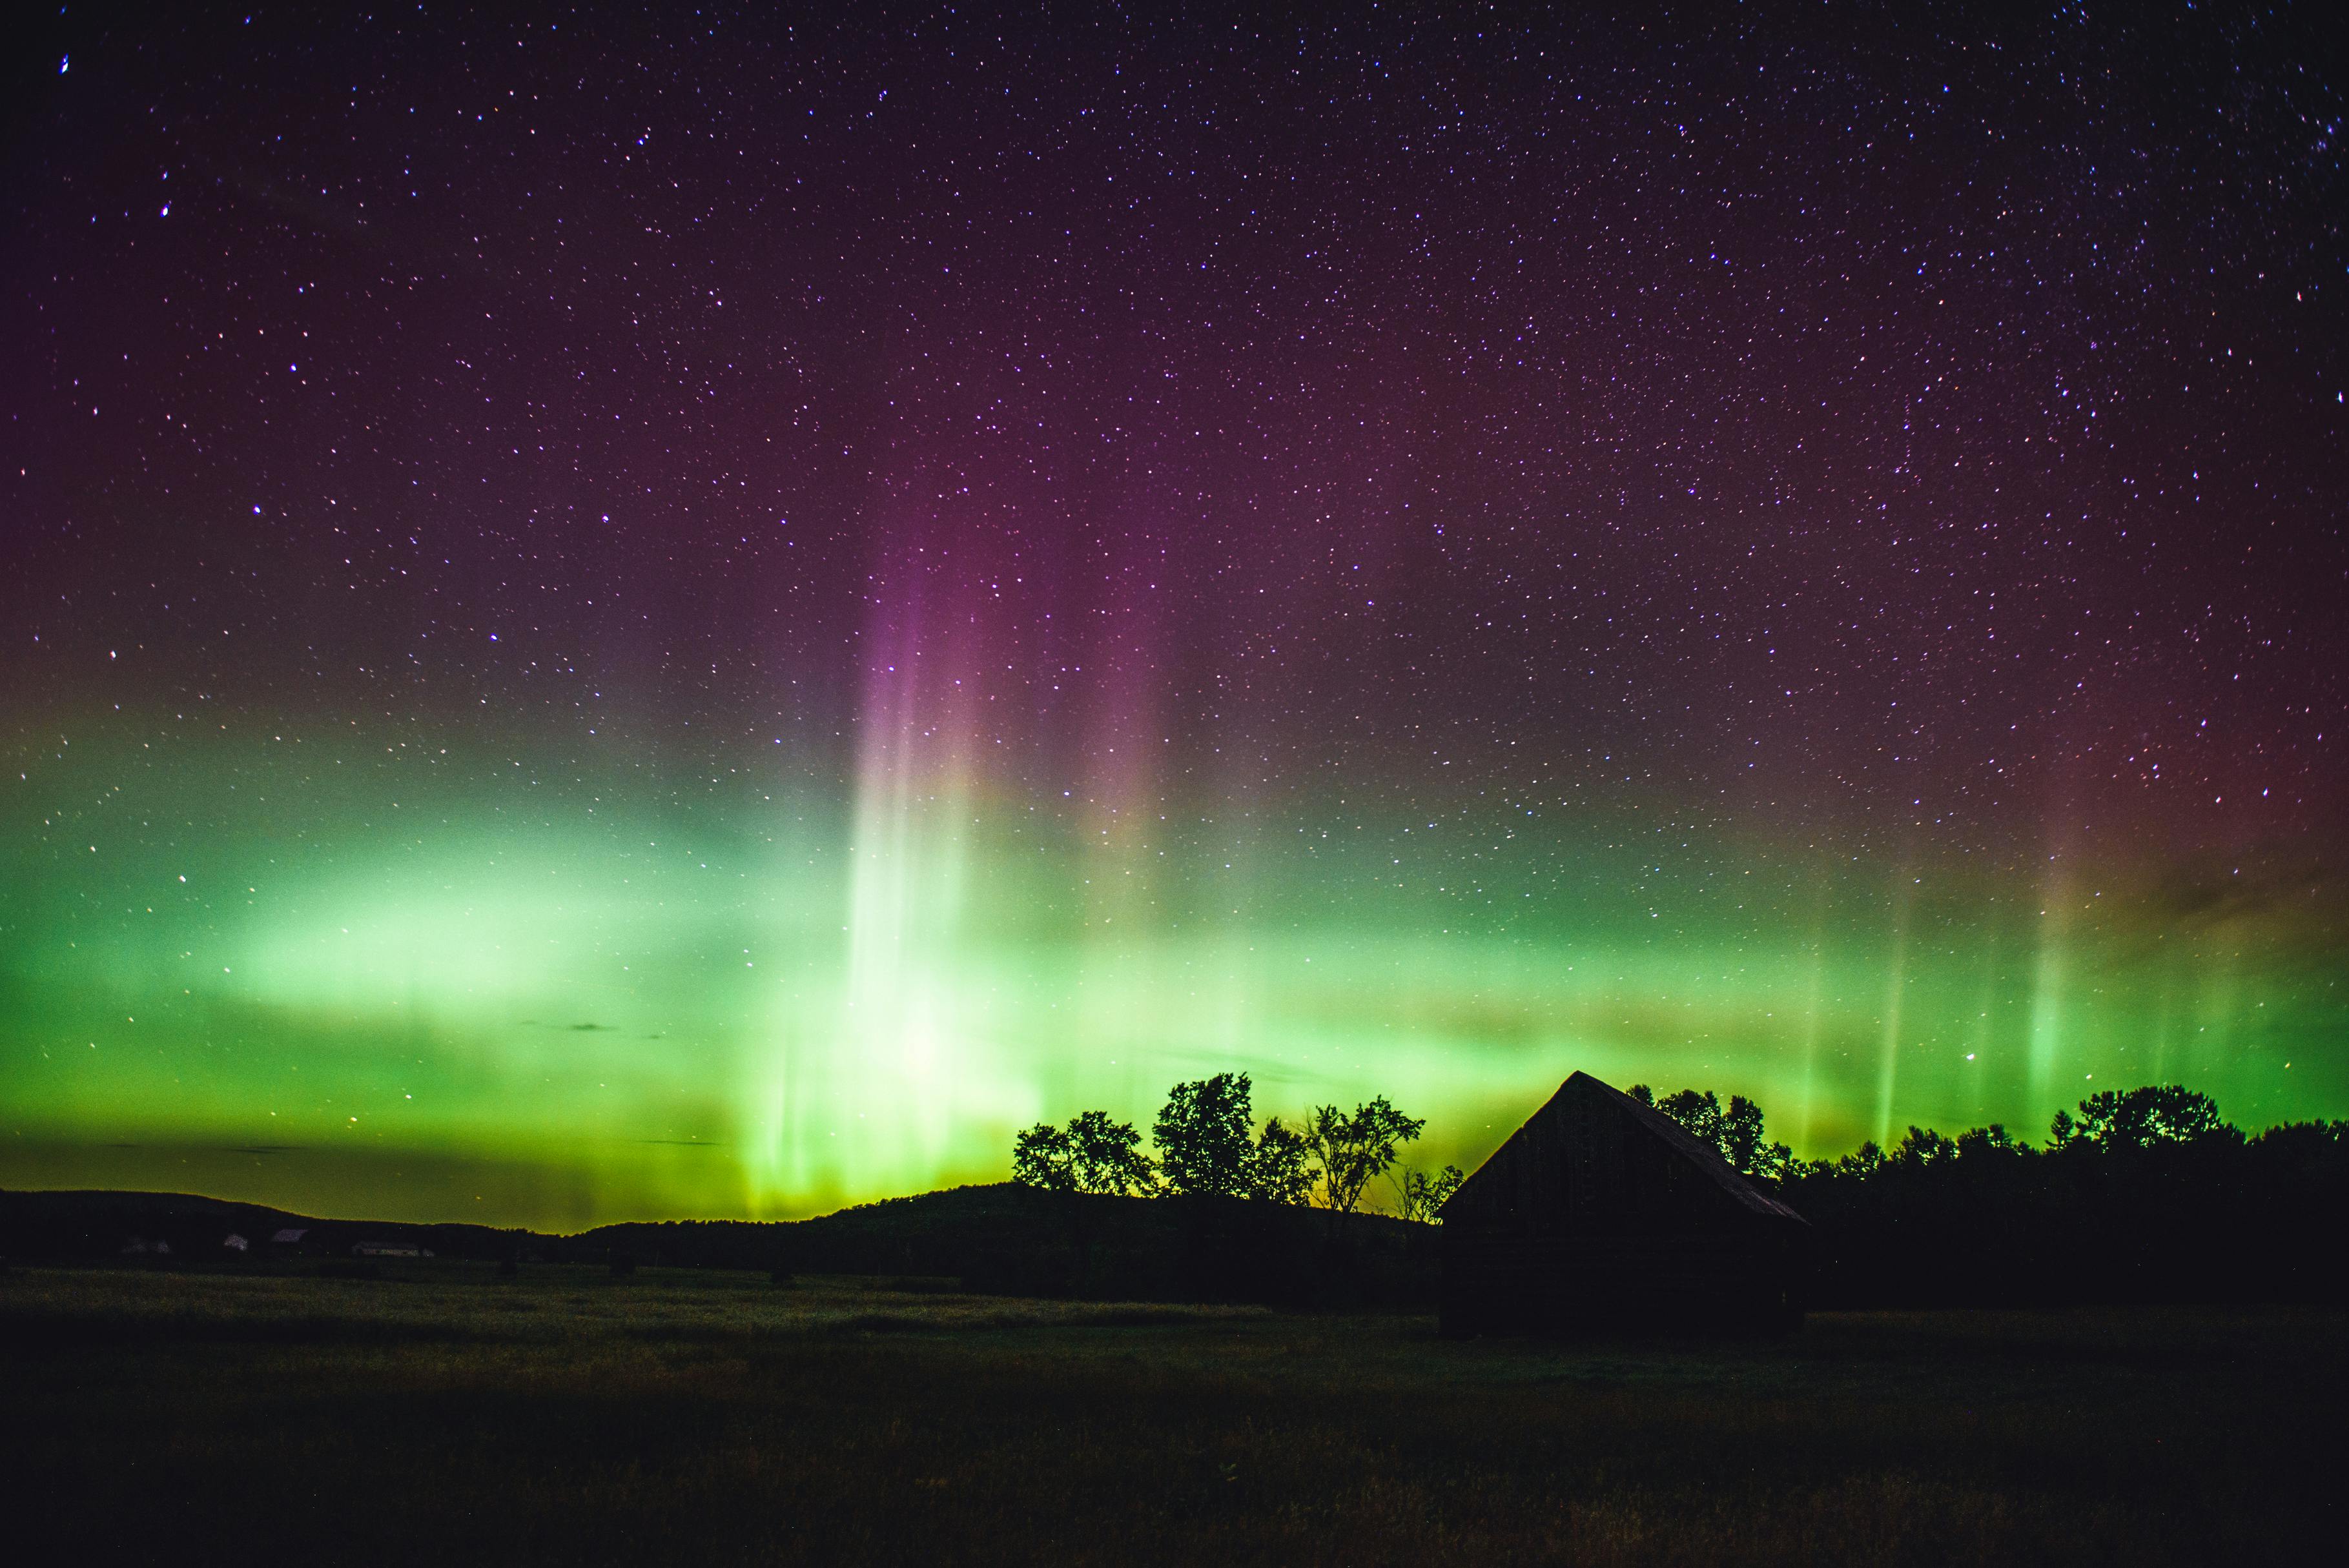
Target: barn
{"points": [[1599, 1212]]}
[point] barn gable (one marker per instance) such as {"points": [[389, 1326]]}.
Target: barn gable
{"points": [[1601, 1209]]}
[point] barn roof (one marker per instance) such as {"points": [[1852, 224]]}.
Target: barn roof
{"points": [[1673, 1136]]}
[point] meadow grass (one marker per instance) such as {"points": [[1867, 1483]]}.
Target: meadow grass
{"points": [[564, 1414]]}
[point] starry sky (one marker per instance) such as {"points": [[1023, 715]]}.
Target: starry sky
{"points": [[636, 612]]}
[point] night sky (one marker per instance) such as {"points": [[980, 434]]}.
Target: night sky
{"points": [[659, 613]]}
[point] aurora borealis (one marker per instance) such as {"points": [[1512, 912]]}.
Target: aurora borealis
{"points": [[704, 614]]}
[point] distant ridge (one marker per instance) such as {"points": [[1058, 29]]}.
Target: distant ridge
{"points": [[96, 1224], [1001, 1237]]}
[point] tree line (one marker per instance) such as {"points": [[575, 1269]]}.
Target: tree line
{"points": [[1208, 1144], [2114, 1122], [2143, 1193]]}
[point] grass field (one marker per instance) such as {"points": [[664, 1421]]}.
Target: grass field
{"points": [[444, 1413]]}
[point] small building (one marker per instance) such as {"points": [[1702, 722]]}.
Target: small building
{"points": [[291, 1237], [235, 1243], [1600, 1213]]}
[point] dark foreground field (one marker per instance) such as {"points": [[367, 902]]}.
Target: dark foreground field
{"points": [[566, 1416]]}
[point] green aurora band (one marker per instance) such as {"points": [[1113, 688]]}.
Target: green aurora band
{"points": [[269, 972]]}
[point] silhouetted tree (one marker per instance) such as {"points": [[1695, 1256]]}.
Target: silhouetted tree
{"points": [[1987, 1142], [1736, 1134], [1699, 1115], [1352, 1151], [1281, 1166], [1418, 1195], [1861, 1163], [1203, 1137], [1093, 1154], [1105, 1156], [1925, 1147], [1042, 1156], [2143, 1117]]}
